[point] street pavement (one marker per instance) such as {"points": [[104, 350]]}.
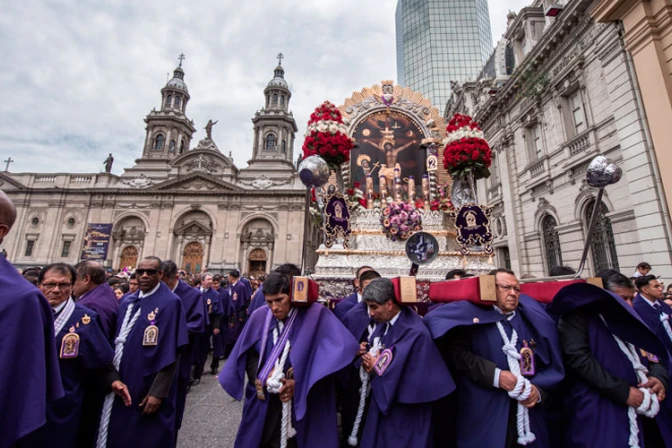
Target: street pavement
{"points": [[211, 417]]}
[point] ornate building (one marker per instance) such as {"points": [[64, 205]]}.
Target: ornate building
{"points": [[556, 93], [192, 205]]}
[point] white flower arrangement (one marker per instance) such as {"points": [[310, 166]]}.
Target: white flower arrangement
{"points": [[333, 127], [463, 133]]}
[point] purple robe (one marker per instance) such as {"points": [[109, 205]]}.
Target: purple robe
{"points": [[258, 300], [64, 416], [30, 375], [651, 317], [247, 284], [594, 420], [239, 300], [320, 347], [476, 404], [195, 316], [345, 305], [400, 409], [139, 366], [102, 300]]}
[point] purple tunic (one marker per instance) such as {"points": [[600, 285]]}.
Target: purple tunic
{"points": [[345, 305], [258, 300], [65, 414], [195, 316], [400, 409], [239, 300], [102, 300], [477, 404], [320, 347], [594, 420], [652, 318], [29, 376], [139, 366]]}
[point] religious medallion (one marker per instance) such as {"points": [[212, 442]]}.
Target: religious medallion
{"points": [[383, 361], [86, 319], [473, 227], [527, 360], [151, 336], [209, 303], [70, 345], [260, 389]]}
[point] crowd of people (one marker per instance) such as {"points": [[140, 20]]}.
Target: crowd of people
{"points": [[88, 363]]}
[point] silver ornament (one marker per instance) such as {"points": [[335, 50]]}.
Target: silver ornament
{"points": [[615, 173], [314, 172], [598, 175]]}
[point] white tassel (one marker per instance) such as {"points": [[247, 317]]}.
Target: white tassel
{"points": [[273, 385]]}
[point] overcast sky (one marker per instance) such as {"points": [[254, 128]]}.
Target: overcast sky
{"points": [[79, 77]]}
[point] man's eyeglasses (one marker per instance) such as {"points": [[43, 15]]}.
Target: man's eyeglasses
{"points": [[509, 288], [50, 286], [150, 272]]}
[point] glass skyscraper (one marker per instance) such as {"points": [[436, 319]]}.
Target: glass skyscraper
{"points": [[439, 41]]}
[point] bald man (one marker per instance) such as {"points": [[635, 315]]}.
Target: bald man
{"points": [[30, 376]]}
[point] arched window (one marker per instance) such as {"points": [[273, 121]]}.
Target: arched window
{"points": [[282, 100], [603, 247], [181, 146], [169, 100], [284, 147], [158, 142], [270, 142], [171, 147], [177, 101], [551, 242], [275, 98]]}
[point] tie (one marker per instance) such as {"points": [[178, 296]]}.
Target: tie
{"points": [[657, 307]]}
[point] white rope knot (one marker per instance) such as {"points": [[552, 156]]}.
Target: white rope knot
{"points": [[364, 376], [523, 388], [274, 384], [120, 340]]}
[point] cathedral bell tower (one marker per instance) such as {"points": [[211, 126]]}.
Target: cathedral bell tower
{"points": [[169, 130], [274, 125]]}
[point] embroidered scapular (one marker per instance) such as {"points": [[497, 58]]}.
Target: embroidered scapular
{"points": [[70, 345]]}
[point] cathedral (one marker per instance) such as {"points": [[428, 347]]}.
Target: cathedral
{"points": [[189, 203]]}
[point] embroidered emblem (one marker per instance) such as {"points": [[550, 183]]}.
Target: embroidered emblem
{"points": [[527, 360], [476, 320], [86, 319], [383, 361], [151, 316], [650, 356], [70, 345], [235, 296], [260, 390], [151, 336]]}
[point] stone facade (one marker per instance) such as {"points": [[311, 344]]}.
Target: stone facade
{"points": [[556, 93], [192, 205]]}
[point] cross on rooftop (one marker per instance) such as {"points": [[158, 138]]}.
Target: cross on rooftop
{"points": [[181, 58], [280, 58], [8, 161]]}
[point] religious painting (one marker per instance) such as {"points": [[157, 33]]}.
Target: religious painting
{"points": [[96, 242], [384, 140], [336, 220]]}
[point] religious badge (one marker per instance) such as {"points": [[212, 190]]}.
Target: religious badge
{"points": [[86, 319], [235, 296], [473, 227], [70, 345], [336, 219], [260, 389], [300, 289], [151, 336], [383, 361], [209, 302], [650, 356], [526, 360]]}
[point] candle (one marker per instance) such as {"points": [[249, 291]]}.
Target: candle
{"points": [[369, 191], [382, 180], [411, 190], [425, 191], [397, 184]]}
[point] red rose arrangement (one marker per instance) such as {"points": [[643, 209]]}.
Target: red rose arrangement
{"points": [[356, 197], [466, 151], [327, 136]]}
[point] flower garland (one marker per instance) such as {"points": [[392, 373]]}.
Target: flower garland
{"points": [[400, 220], [327, 137], [466, 151], [356, 197]]}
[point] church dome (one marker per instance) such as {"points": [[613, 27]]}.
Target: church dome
{"points": [[177, 82], [279, 78]]}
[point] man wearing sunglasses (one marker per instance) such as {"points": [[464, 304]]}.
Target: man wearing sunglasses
{"points": [[506, 354], [151, 332]]}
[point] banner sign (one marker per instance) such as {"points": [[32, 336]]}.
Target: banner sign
{"points": [[96, 242]]}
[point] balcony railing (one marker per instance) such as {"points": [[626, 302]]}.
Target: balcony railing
{"points": [[45, 179], [537, 168]]}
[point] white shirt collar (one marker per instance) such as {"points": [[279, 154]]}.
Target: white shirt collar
{"points": [[60, 307], [156, 288], [394, 319], [651, 303], [509, 316], [359, 297]]}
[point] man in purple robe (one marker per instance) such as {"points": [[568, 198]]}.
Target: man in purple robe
{"points": [[151, 333], [653, 311], [344, 305], [214, 306], [616, 372], [407, 374], [194, 313], [92, 291], [361, 325], [506, 359], [30, 375], [239, 300], [258, 300], [290, 355], [85, 362]]}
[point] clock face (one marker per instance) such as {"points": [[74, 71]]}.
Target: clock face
{"points": [[388, 139]]}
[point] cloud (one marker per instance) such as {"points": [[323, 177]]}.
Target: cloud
{"points": [[80, 76]]}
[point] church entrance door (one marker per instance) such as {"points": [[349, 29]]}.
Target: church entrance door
{"points": [[257, 262], [129, 257], [192, 258]]}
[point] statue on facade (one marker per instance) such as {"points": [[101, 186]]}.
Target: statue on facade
{"points": [[108, 163], [208, 128]]}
